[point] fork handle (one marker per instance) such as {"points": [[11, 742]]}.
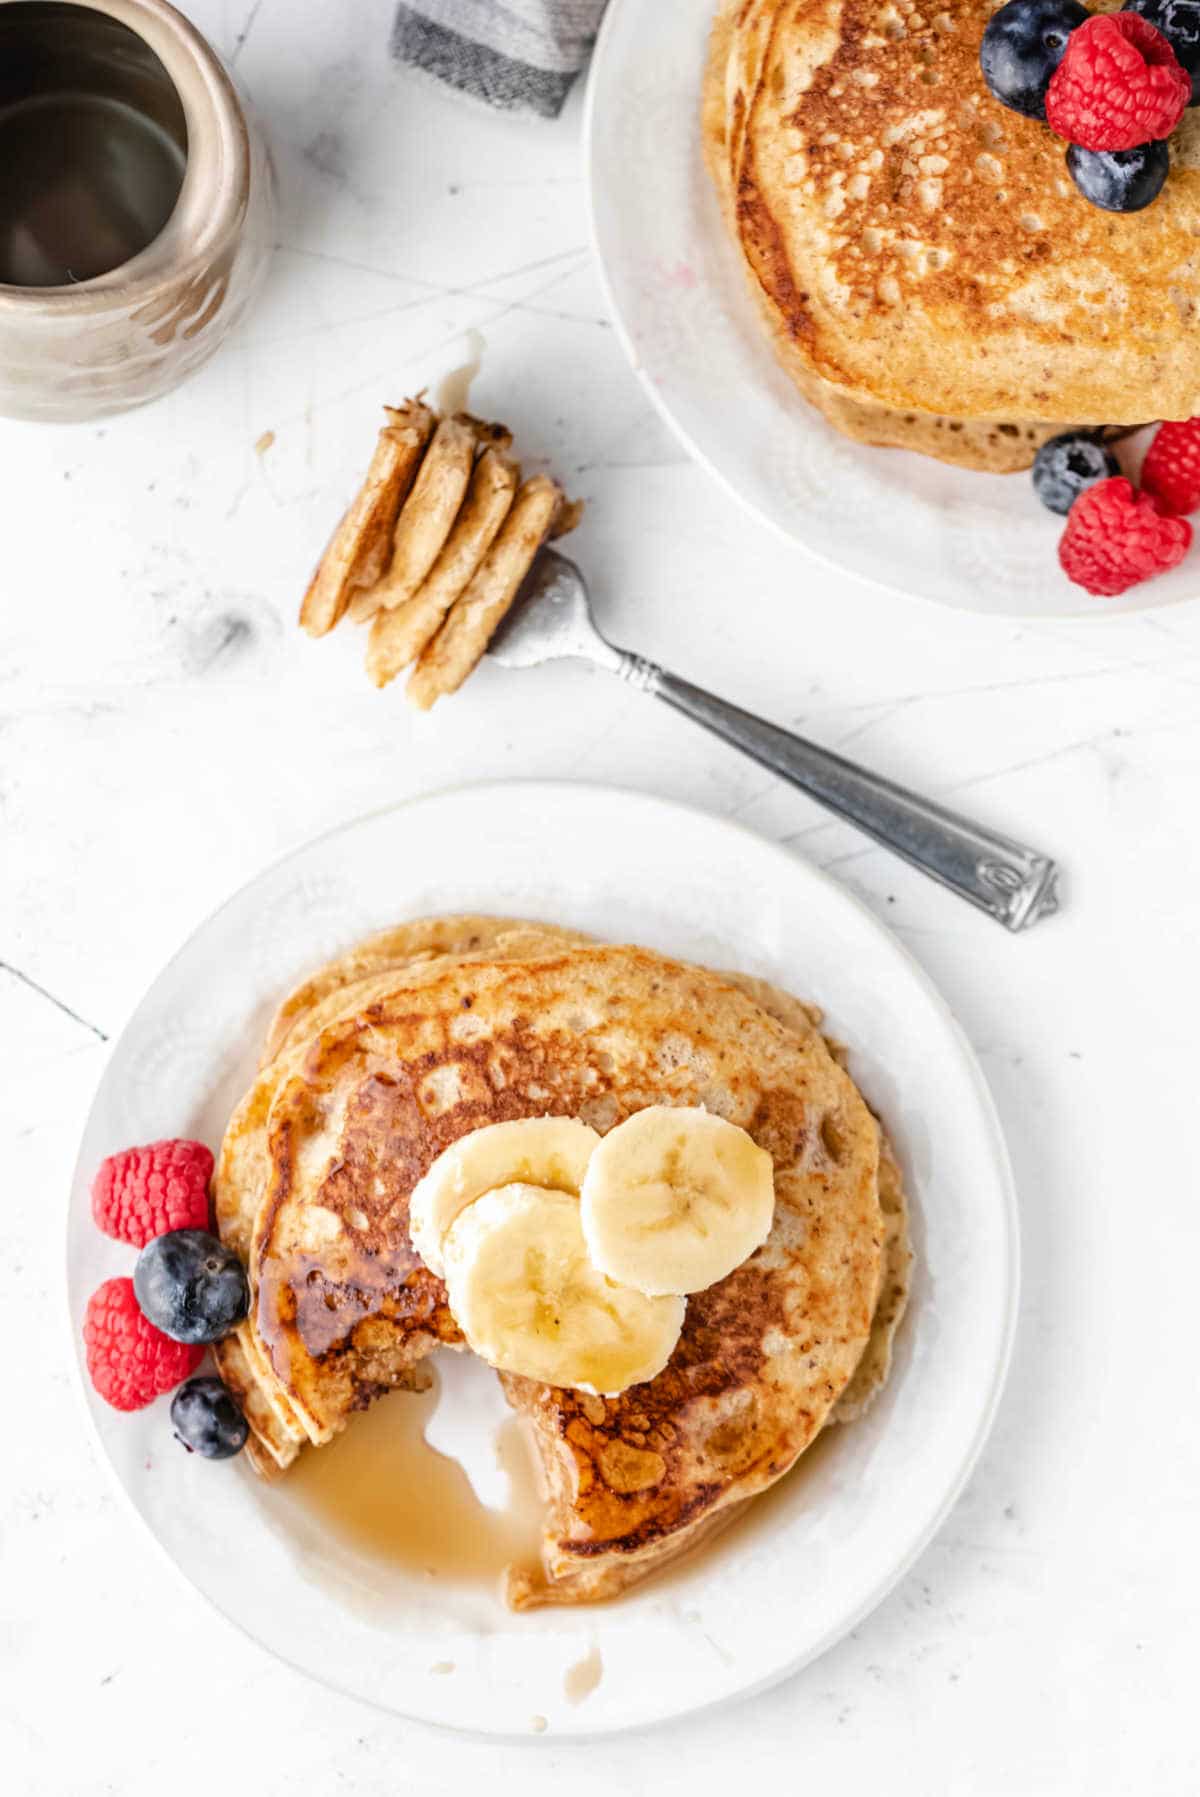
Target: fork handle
{"points": [[1013, 884]]}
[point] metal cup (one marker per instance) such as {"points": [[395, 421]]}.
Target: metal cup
{"points": [[136, 205]]}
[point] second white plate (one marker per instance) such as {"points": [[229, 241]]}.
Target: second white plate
{"points": [[980, 542], [827, 1544]]}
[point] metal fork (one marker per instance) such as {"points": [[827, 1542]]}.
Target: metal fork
{"points": [[552, 619]]}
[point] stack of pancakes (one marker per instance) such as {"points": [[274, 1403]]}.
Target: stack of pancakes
{"points": [[383, 1058], [928, 273], [432, 551]]}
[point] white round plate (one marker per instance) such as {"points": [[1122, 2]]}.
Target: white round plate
{"points": [[840, 1530], [677, 294]]}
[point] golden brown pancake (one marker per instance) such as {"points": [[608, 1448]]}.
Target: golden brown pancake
{"points": [[345, 1308], [403, 946], [917, 247], [391, 1052], [995, 447], [405, 953]]}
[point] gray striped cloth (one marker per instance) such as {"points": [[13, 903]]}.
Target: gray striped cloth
{"points": [[521, 55]]}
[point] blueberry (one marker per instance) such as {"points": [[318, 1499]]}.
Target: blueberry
{"points": [[1066, 466], [191, 1286], [1022, 46], [1119, 180], [1179, 22], [207, 1421]]}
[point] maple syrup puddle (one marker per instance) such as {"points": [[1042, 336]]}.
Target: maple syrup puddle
{"points": [[381, 1490], [583, 1678]]}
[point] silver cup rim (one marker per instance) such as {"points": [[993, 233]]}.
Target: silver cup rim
{"points": [[214, 194]]}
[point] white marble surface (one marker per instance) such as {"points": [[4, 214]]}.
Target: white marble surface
{"points": [[165, 730]]}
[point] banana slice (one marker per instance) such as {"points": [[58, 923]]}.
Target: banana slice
{"points": [[528, 1299], [538, 1151], [674, 1199]]}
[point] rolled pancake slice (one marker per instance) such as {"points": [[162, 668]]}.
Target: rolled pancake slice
{"points": [[359, 548], [460, 643], [398, 636], [426, 518]]}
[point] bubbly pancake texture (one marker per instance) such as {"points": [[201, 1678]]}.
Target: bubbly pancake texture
{"points": [[404, 954], [994, 446], [358, 1104], [922, 248]]}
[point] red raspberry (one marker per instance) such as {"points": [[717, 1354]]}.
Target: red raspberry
{"points": [[1118, 85], [1116, 538], [143, 1192], [1171, 470], [129, 1360]]}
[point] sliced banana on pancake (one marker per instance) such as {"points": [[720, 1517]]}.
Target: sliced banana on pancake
{"points": [[675, 1198], [551, 1152], [525, 1294]]}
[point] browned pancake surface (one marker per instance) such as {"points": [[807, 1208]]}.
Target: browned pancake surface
{"points": [[924, 249], [416, 1036], [345, 1306]]}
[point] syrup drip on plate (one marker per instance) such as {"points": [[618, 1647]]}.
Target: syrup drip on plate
{"points": [[583, 1677], [381, 1490]]}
